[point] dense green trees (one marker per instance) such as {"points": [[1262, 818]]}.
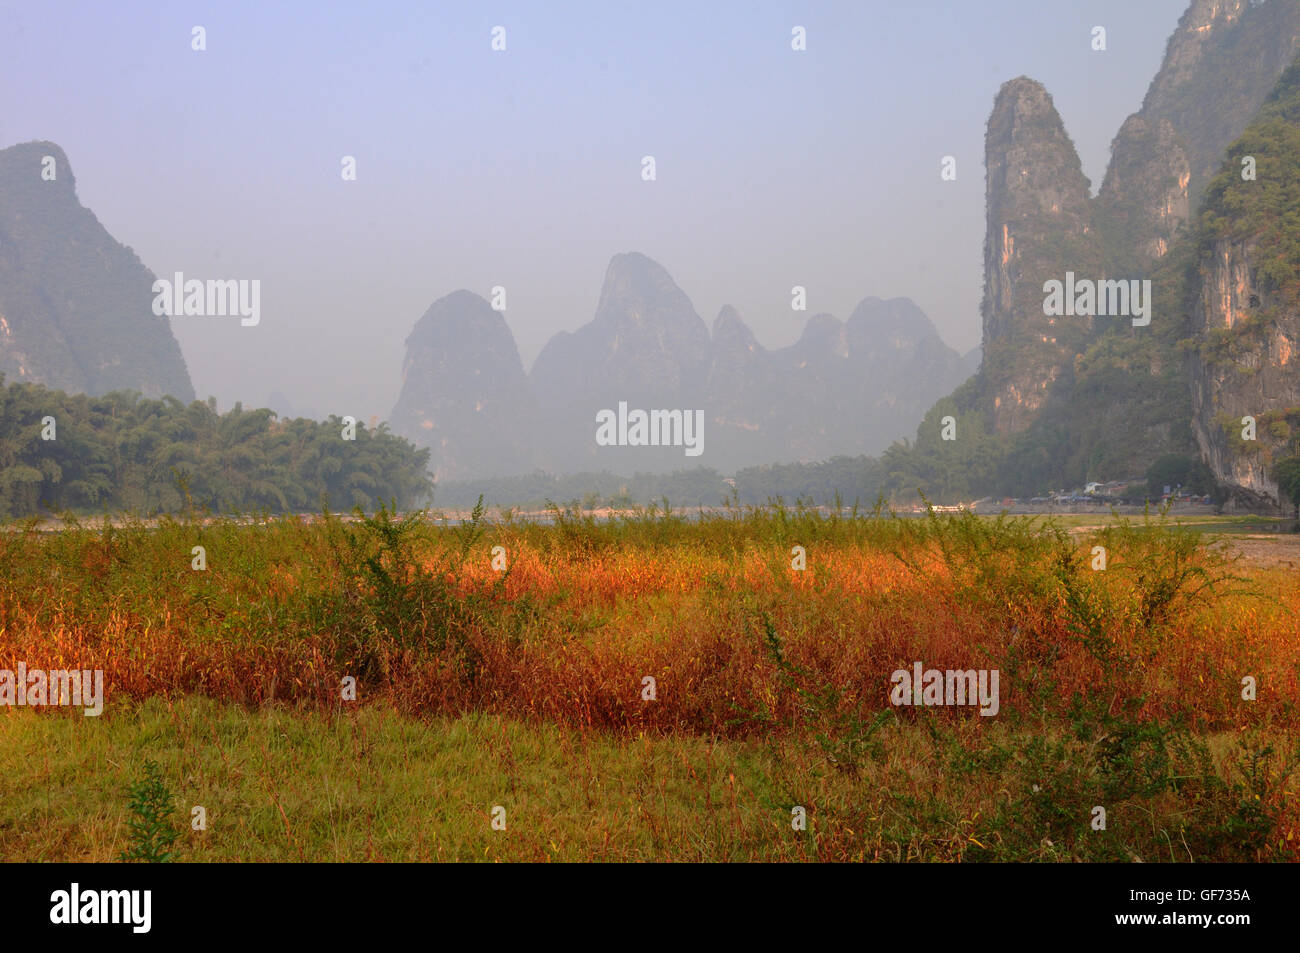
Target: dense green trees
{"points": [[121, 451], [1263, 208], [1287, 475]]}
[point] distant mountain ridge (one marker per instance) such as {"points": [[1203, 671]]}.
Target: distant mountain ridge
{"points": [[844, 387], [76, 306]]}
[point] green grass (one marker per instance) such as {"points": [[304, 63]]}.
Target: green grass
{"points": [[283, 785], [280, 786]]}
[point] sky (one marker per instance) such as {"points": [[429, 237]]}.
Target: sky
{"points": [[522, 168]]}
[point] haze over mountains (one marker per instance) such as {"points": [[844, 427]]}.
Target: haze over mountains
{"points": [[844, 387], [76, 314]]}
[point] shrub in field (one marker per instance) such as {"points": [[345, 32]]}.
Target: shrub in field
{"points": [[1170, 575], [998, 560], [398, 593], [828, 710], [152, 832], [1164, 795]]}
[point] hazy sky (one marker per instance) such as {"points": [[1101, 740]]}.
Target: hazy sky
{"points": [[522, 168]]}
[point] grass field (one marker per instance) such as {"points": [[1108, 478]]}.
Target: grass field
{"points": [[501, 682]]}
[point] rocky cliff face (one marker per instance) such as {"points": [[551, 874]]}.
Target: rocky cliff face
{"points": [[76, 307], [1042, 373], [1219, 65], [1245, 318], [463, 390], [1254, 373], [1145, 199], [1039, 227]]}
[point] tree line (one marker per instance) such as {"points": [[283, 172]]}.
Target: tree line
{"points": [[120, 451]]}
